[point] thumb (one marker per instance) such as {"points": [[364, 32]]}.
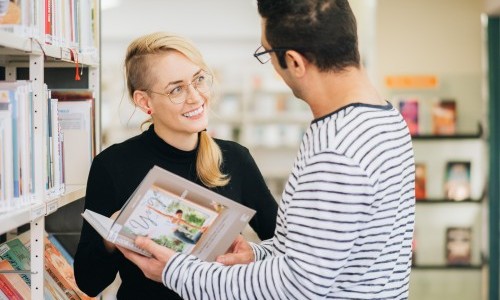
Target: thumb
{"points": [[150, 246], [230, 259]]}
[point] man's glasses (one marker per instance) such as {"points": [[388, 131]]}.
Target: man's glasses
{"points": [[179, 94], [263, 55]]}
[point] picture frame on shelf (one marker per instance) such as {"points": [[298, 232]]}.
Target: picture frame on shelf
{"points": [[409, 109], [457, 185], [458, 246], [444, 117]]}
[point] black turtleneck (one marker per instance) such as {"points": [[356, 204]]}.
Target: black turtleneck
{"points": [[119, 169]]}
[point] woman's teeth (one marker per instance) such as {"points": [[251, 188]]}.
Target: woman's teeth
{"points": [[194, 112]]}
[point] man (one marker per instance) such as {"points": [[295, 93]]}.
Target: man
{"points": [[345, 222]]}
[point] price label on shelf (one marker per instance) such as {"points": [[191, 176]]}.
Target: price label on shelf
{"points": [[38, 211], [52, 206]]}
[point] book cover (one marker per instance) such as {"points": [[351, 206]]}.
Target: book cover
{"points": [[409, 110], [176, 213], [12, 284], [62, 272], [444, 114], [457, 180], [458, 245], [51, 290], [420, 181]]}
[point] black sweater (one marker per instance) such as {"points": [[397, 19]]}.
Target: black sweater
{"points": [[114, 175]]}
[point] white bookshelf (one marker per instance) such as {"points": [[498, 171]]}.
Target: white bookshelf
{"points": [[19, 51]]}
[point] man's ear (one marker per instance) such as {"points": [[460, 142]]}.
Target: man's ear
{"points": [[141, 99], [296, 63]]}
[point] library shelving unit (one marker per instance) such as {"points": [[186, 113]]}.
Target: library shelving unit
{"points": [[31, 58], [436, 213]]}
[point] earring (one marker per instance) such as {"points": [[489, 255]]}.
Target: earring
{"points": [[149, 111]]}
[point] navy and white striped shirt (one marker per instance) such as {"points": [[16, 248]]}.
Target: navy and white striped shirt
{"points": [[345, 222]]}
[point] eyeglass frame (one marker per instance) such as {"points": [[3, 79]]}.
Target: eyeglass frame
{"points": [[203, 73], [280, 53]]}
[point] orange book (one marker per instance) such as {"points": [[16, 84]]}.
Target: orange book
{"points": [[12, 285], [420, 181], [444, 115], [62, 272]]}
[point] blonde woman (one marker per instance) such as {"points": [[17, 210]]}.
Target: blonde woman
{"points": [[167, 79]]}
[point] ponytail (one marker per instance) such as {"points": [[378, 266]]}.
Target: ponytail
{"points": [[209, 161]]}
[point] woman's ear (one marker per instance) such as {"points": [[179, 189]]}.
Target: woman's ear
{"points": [[141, 99], [296, 63]]}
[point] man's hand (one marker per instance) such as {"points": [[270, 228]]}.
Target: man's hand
{"points": [[240, 252], [152, 267]]}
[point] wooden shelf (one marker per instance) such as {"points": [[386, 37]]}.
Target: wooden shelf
{"points": [[447, 201], [446, 267]]}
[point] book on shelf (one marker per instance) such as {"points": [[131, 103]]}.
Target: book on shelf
{"points": [[76, 118], [458, 246], [16, 134], [409, 109], [444, 117], [12, 286], [420, 181], [176, 213], [17, 16], [457, 180], [62, 272], [17, 252]]}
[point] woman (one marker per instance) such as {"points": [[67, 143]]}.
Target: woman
{"points": [[168, 79]]}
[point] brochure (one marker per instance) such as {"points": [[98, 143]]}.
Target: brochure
{"points": [[176, 213]]}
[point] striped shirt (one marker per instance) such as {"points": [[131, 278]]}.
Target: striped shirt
{"points": [[345, 222]]}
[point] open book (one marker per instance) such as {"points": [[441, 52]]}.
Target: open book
{"points": [[176, 213]]}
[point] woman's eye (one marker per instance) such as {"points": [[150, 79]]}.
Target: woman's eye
{"points": [[176, 91], [200, 79]]}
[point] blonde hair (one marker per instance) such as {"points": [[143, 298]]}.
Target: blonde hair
{"points": [[137, 65]]}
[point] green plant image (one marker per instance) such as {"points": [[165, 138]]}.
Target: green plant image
{"points": [[171, 243]]}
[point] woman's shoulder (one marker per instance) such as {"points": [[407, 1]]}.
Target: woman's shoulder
{"points": [[231, 147], [126, 147]]}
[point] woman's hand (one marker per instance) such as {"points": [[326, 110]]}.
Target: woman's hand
{"points": [[110, 247]]}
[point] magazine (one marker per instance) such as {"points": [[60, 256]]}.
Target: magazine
{"points": [[176, 213]]}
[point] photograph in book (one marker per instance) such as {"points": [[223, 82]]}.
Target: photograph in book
{"points": [[170, 221], [176, 213]]}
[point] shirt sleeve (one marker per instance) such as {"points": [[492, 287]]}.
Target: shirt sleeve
{"points": [[95, 268], [331, 199], [257, 196]]}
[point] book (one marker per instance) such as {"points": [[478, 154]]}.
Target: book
{"points": [[17, 252], [457, 180], [420, 181], [12, 285], [458, 245], [409, 110], [176, 213], [444, 113], [62, 272], [76, 118]]}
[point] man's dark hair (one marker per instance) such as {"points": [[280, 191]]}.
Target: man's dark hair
{"points": [[324, 31]]}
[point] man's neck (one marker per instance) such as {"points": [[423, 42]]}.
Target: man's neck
{"points": [[331, 91]]}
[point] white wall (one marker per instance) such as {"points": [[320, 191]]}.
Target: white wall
{"points": [[226, 31]]}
